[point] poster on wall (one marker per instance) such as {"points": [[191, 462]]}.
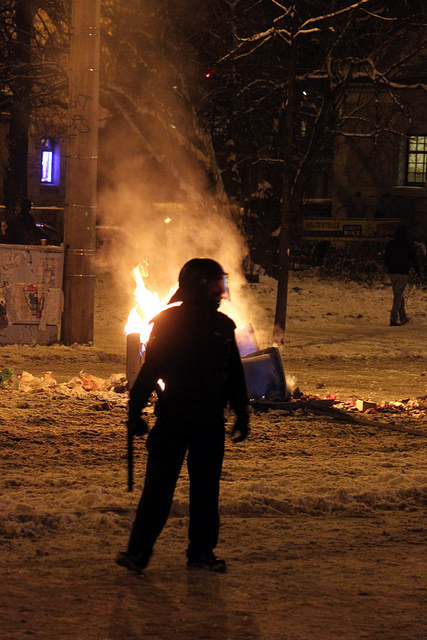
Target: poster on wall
{"points": [[31, 297]]}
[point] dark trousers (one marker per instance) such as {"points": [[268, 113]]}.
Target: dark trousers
{"points": [[168, 442], [399, 282]]}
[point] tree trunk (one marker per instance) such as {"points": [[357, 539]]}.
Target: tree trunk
{"points": [[15, 187], [283, 275], [286, 217]]}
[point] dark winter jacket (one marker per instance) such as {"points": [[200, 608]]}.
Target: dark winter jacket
{"points": [[400, 256], [23, 230], [194, 352]]}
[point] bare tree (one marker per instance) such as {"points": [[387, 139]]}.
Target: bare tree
{"points": [[150, 71], [319, 60], [149, 75], [33, 37]]}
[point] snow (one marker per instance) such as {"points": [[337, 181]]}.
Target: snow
{"points": [[323, 521]]}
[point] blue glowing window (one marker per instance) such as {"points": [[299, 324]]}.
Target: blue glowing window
{"points": [[47, 157], [49, 169]]}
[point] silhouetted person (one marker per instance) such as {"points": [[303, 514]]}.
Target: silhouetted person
{"points": [[192, 349], [22, 228], [400, 257], [320, 251], [5, 236]]}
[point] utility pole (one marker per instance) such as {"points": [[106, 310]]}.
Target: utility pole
{"points": [[82, 166]]}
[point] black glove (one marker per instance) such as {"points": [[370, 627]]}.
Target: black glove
{"points": [[137, 426], [240, 430]]}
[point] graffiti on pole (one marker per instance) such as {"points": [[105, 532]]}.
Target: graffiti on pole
{"points": [[79, 122]]}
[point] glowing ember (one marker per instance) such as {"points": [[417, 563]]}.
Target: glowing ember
{"points": [[148, 305]]}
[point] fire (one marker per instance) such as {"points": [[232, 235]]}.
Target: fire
{"points": [[148, 305]]}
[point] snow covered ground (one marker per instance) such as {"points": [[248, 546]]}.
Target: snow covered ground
{"points": [[323, 521]]}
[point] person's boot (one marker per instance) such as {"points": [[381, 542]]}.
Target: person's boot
{"points": [[206, 560], [135, 563]]}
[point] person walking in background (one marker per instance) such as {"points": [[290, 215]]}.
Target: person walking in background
{"points": [[192, 349], [400, 257]]}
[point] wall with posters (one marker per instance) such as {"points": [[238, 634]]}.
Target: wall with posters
{"points": [[31, 298]]}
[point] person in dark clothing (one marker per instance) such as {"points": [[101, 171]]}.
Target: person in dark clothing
{"points": [[400, 257], [5, 237], [192, 350], [22, 227]]}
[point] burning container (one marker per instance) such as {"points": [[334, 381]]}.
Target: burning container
{"points": [[134, 357], [265, 377]]}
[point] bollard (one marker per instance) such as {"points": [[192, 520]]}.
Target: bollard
{"points": [[134, 357]]}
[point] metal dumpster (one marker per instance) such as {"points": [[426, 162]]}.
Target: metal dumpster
{"points": [[31, 297]]}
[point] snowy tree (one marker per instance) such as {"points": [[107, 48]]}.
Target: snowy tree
{"points": [[150, 70], [32, 79], [301, 67]]}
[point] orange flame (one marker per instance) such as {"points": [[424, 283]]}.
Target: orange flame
{"points": [[148, 305]]}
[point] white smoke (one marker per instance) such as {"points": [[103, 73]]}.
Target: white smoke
{"points": [[142, 228]]}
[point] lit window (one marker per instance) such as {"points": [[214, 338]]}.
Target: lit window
{"points": [[303, 128], [49, 169], [47, 166], [416, 160]]}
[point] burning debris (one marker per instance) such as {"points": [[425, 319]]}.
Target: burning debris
{"points": [[395, 415], [268, 386], [363, 405], [408, 416], [263, 368], [414, 408]]}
